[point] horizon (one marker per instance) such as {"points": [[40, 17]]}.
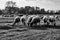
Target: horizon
{"points": [[46, 4]]}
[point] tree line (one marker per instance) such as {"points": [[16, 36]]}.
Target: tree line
{"points": [[12, 9]]}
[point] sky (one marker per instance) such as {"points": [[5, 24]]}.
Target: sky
{"points": [[46, 4]]}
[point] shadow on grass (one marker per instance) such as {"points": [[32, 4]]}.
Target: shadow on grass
{"points": [[45, 27], [42, 27], [5, 27]]}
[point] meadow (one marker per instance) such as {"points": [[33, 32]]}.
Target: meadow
{"points": [[21, 32]]}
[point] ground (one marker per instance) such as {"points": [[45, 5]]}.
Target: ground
{"points": [[23, 33], [19, 32]]}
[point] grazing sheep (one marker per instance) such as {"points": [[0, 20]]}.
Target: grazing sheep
{"points": [[34, 20], [17, 19]]}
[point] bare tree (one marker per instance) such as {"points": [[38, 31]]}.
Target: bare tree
{"points": [[10, 4], [11, 8]]}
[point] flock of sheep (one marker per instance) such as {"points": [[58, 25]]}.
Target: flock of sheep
{"points": [[32, 20]]}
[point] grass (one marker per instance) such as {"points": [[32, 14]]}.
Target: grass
{"points": [[29, 34], [23, 33]]}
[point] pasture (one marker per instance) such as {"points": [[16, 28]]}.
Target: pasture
{"points": [[21, 32]]}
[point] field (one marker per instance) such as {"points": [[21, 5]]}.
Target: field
{"points": [[21, 32]]}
